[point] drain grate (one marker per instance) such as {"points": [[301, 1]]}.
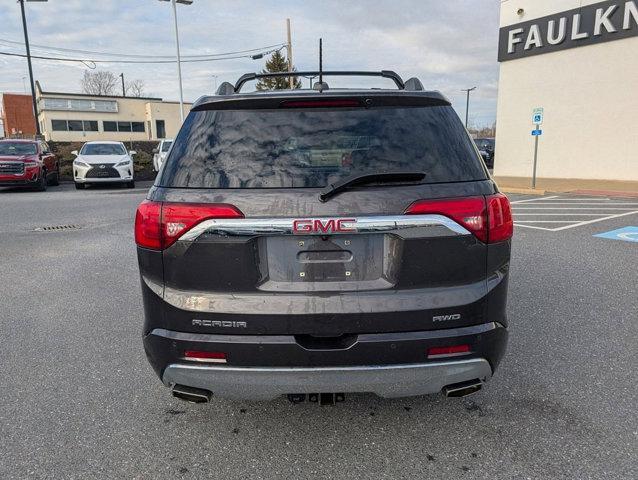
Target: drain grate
{"points": [[56, 228]]}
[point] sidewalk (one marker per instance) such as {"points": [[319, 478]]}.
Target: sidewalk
{"points": [[609, 188]]}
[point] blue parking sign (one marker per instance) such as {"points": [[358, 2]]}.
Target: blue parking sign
{"points": [[535, 133], [626, 234]]}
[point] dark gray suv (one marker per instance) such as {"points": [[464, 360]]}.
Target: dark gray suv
{"points": [[317, 242]]}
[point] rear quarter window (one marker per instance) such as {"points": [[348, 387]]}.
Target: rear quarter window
{"points": [[312, 148]]}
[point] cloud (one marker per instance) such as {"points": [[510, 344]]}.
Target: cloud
{"points": [[449, 44]]}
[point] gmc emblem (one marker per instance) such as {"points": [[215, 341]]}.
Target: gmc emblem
{"points": [[333, 225]]}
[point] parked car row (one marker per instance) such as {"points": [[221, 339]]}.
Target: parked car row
{"points": [[32, 164], [103, 162], [486, 149], [28, 163]]}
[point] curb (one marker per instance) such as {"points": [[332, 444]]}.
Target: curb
{"points": [[523, 191]]}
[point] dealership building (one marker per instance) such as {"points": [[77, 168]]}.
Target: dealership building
{"points": [[78, 117], [568, 88]]}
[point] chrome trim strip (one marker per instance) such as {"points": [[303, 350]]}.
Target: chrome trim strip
{"points": [[354, 225], [204, 337], [267, 383], [355, 301]]}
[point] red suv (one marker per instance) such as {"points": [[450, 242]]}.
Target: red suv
{"points": [[28, 163]]}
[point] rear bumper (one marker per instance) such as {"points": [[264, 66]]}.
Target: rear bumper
{"points": [[266, 366], [259, 383]]}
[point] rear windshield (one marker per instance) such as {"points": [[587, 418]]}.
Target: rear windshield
{"points": [[102, 149], [314, 148]]}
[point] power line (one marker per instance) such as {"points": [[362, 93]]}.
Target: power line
{"points": [[55, 50], [86, 61]]}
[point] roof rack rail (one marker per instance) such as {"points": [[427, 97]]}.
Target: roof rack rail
{"points": [[383, 73]]}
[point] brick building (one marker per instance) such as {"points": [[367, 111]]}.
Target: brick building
{"points": [[17, 114]]}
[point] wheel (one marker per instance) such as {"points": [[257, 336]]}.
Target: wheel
{"points": [[80, 186], [130, 184], [41, 186], [55, 179]]}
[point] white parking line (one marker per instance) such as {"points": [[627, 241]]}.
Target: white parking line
{"points": [[531, 212], [564, 214], [574, 208], [551, 205], [533, 199], [595, 220]]}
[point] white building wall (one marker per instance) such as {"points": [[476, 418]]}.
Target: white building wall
{"points": [[590, 98]]}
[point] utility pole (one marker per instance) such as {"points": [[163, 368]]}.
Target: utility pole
{"points": [[26, 42], [291, 81], [467, 103], [123, 88], [179, 65]]}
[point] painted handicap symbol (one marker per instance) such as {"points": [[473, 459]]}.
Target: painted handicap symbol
{"points": [[626, 234]]}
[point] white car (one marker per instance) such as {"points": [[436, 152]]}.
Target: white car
{"points": [[160, 152], [103, 162]]}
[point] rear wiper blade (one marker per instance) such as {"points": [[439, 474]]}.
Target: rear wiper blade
{"points": [[379, 177]]}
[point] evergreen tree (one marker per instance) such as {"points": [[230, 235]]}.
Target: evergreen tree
{"points": [[277, 63]]}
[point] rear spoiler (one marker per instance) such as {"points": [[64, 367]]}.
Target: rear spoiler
{"points": [[278, 99]]}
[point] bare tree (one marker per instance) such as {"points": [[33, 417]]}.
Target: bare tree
{"points": [[135, 88], [99, 82]]}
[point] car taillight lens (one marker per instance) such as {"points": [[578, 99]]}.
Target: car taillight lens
{"points": [[159, 224], [451, 351], [499, 217], [147, 225], [488, 218], [469, 212], [202, 356], [337, 103]]}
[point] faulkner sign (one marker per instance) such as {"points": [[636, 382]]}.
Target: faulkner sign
{"points": [[596, 23]]}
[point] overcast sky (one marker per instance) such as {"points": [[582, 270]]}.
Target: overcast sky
{"points": [[448, 44]]}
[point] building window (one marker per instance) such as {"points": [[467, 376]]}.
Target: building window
{"points": [[123, 126], [59, 125], [160, 128], [80, 105], [74, 125], [90, 126]]}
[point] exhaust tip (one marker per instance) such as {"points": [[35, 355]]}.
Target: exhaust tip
{"points": [[191, 394], [462, 389]]}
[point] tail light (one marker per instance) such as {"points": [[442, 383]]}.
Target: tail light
{"points": [[469, 212], [202, 356], [159, 224], [337, 103], [488, 218], [499, 216], [451, 351]]}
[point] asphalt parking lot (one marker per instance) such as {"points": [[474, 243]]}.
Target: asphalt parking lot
{"points": [[79, 399]]}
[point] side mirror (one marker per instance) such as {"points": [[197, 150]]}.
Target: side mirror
{"points": [[156, 150], [75, 152], [132, 152]]}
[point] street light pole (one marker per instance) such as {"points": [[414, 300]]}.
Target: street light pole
{"points": [[179, 62], [123, 88], [26, 42], [467, 102], [215, 78]]}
